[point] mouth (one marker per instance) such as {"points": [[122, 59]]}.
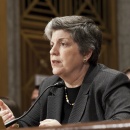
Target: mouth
{"points": [[55, 62]]}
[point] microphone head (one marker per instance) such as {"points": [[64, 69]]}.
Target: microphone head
{"points": [[59, 84]]}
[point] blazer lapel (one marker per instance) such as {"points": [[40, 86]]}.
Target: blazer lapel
{"points": [[80, 104], [54, 106], [82, 97]]}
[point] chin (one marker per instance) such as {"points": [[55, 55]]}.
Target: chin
{"points": [[56, 72]]}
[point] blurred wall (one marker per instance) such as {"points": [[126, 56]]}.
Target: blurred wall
{"points": [[13, 42], [123, 26], [3, 50]]}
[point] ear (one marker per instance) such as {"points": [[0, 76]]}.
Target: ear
{"points": [[88, 54]]}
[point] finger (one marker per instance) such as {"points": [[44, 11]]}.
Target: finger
{"points": [[47, 120], [43, 124], [7, 117], [4, 112], [3, 106]]}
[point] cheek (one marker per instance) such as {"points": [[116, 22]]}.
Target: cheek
{"points": [[70, 56], [72, 60], [65, 58]]}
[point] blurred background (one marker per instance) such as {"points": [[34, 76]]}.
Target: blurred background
{"points": [[24, 53]]}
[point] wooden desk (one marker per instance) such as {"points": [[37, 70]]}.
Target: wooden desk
{"points": [[104, 125]]}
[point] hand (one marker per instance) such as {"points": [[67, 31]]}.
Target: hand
{"points": [[49, 122], [5, 112]]}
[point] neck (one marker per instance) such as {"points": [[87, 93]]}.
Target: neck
{"points": [[75, 79]]}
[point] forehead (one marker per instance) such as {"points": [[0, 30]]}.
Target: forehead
{"points": [[60, 34]]}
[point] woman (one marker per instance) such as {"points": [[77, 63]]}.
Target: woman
{"points": [[90, 91]]}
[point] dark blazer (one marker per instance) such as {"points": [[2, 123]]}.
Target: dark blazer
{"points": [[104, 95]]}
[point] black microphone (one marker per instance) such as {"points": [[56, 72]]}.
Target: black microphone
{"points": [[58, 84]]}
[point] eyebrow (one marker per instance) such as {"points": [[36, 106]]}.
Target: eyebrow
{"points": [[60, 39]]}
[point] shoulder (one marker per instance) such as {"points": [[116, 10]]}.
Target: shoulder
{"points": [[108, 73], [110, 78]]}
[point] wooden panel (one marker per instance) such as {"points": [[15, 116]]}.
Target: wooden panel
{"points": [[3, 50], [35, 14], [34, 60]]}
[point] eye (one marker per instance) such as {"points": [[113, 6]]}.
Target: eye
{"points": [[63, 44]]}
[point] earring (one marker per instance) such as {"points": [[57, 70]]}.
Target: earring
{"points": [[84, 60]]}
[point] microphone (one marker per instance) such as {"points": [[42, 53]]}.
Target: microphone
{"points": [[58, 84]]}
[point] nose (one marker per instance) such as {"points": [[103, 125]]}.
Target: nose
{"points": [[54, 50]]}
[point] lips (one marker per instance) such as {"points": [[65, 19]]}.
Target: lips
{"points": [[55, 62]]}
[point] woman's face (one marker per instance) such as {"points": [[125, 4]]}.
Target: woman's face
{"points": [[64, 54]]}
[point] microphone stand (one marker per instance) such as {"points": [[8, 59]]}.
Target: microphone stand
{"points": [[58, 84]]}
